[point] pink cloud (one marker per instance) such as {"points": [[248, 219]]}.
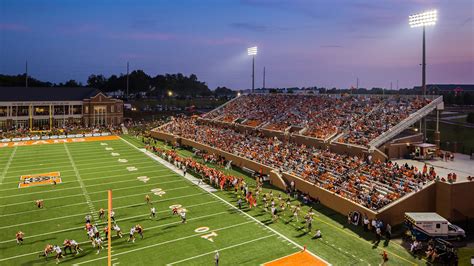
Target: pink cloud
{"points": [[224, 41], [145, 36], [79, 28], [13, 27]]}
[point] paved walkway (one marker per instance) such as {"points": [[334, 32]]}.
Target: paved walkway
{"points": [[462, 165]]}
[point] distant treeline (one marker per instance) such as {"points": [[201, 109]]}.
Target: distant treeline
{"points": [[138, 82]]}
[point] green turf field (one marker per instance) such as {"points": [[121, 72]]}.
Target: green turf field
{"points": [[88, 170]]}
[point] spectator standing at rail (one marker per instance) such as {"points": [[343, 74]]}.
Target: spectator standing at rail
{"points": [[388, 231]]}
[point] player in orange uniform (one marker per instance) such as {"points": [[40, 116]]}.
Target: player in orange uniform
{"points": [[48, 249], [147, 199], [39, 203], [19, 237], [139, 230], [101, 213]]}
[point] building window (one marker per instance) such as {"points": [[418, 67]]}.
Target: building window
{"points": [[3, 110], [76, 109], [112, 109], [41, 110], [86, 110]]}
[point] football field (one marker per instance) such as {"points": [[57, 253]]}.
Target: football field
{"points": [[87, 170], [84, 171]]}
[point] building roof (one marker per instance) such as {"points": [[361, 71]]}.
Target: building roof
{"points": [[448, 87], [425, 217], [30, 94], [424, 145]]}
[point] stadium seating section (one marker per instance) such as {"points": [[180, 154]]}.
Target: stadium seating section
{"points": [[372, 184], [355, 119]]}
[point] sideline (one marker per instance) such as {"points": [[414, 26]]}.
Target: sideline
{"points": [[248, 215], [5, 170]]}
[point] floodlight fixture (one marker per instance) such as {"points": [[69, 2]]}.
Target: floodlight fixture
{"points": [[252, 50], [427, 18]]}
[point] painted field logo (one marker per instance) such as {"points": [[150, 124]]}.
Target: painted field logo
{"points": [[39, 179]]}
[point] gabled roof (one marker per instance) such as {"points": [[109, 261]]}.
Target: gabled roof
{"points": [[22, 94]]}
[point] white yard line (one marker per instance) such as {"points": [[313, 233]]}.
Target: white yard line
{"points": [[51, 163], [151, 171], [153, 227], [251, 217], [82, 169], [228, 247], [5, 170], [95, 185], [85, 213], [80, 203], [103, 223], [97, 192], [81, 183], [165, 242]]}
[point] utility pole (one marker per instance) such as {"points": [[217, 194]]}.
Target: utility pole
{"points": [[253, 73], [26, 74], [397, 85], [127, 79], [263, 77]]}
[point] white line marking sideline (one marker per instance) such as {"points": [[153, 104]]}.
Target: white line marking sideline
{"points": [[253, 218]]}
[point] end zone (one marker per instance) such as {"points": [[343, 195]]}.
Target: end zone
{"points": [[56, 141], [300, 258]]}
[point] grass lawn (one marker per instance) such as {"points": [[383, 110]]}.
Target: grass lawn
{"points": [[451, 135], [88, 170]]}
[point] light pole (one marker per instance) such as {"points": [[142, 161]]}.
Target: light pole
{"points": [[424, 19], [253, 52]]}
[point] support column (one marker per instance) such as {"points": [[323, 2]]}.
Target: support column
{"points": [[30, 113], [437, 137]]}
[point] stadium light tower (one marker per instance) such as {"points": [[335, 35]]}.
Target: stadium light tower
{"points": [[427, 18], [253, 52], [424, 19]]}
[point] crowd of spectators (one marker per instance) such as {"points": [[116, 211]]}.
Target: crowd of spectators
{"points": [[373, 184], [360, 118], [68, 129], [142, 127]]}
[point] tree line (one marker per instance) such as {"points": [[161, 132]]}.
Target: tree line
{"points": [[139, 83]]}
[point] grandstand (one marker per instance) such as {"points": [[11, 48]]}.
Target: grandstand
{"points": [[363, 120], [337, 148]]}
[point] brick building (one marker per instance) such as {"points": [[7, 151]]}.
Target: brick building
{"points": [[40, 108]]}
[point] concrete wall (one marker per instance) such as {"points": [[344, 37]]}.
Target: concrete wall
{"points": [[398, 148], [421, 201], [455, 202], [328, 198]]}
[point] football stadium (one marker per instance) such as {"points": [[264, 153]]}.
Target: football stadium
{"points": [[127, 168]]}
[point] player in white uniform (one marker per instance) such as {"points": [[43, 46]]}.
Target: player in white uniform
{"points": [[132, 235], [95, 230], [183, 217], [59, 253], [117, 229], [98, 242], [153, 212], [91, 236], [75, 246]]}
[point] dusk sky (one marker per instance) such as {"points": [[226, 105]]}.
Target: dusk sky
{"points": [[301, 43]]}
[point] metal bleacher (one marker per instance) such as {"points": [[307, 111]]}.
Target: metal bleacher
{"points": [[407, 122]]}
